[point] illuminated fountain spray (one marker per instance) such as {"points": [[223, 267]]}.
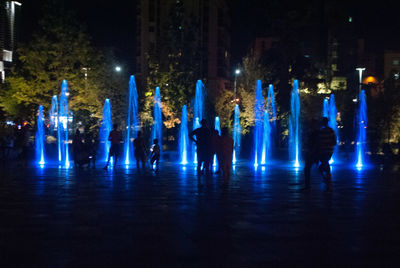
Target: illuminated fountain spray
{"points": [[105, 129], [217, 126], [294, 125], [132, 122], [266, 145], [361, 125], [198, 111], [62, 130], [237, 131], [157, 125], [271, 108], [53, 115], [40, 138], [333, 125], [183, 137], [258, 124], [325, 108]]}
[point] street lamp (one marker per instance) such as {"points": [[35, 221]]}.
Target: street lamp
{"points": [[118, 68], [237, 72]]}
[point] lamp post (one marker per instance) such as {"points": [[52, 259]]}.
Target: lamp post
{"points": [[237, 72]]}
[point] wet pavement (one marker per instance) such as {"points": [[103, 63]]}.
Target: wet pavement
{"points": [[93, 218]]}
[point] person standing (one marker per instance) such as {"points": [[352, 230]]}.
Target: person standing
{"points": [[155, 154], [226, 153], [204, 154], [311, 150], [115, 137], [326, 145], [77, 146], [140, 151]]}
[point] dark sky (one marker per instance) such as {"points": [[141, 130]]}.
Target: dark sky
{"points": [[112, 23]]}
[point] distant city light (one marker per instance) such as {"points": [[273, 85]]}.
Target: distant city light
{"points": [[118, 68], [350, 19], [237, 71]]}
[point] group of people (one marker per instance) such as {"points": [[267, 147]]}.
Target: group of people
{"points": [[115, 137], [319, 148], [84, 149], [209, 143]]}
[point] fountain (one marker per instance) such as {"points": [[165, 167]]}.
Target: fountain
{"points": [[157, 126], [361, 124], [62, 129], [132, 123], [183, 137], [271, 108], [105, 129], [237, 131], [333, 125], [40, 138], [325, 108], [294, 125], [217, 126], [198, 111], [266, 145], [258, 124], [53, 115]]}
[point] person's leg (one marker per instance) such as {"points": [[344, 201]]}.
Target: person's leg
{"points": [[144, 163], [153, 158], [157, 162], [325, 170]]}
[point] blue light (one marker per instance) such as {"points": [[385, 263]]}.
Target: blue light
{"points": [[183, 137]]}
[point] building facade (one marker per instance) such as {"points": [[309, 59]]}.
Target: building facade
{"points": [[210, 25]]}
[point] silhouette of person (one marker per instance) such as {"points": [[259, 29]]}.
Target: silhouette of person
{"points": [[311, 151], [90, 147], [225, 149], [140, 151], [203, 136], [155, 154], [77, 147], [115, 137], [214, 141], [326, 144]]}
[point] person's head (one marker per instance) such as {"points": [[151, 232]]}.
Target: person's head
{"points": [[139, 133], [324, 121], [224, 131], [115, 126], [155, 141], [203, 122]]}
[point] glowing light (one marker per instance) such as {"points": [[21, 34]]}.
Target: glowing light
{"points": [[118, 68], [237, 71], [294, 125], [132, 120]]}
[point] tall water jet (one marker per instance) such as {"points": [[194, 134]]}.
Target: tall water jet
{"points": [[157, 125], [53, 115], [237, 131], [105, 129], [40, 138], [266, 145], [294, 125], [271, 108], [362, 121], [217, 126], [132, 123], [198, 111], [183, 137], [62, 130], [325, 108], [258, 124], [333, 124]]}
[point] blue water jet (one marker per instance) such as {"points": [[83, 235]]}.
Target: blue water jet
{"points": [[258, 122], [198, 111], [62, 130], [53, 115], [105, 129], [325, 108], [271, 108], [217, 126], [294, 125], [132, 123], [237, 132], [40, 138], [157, 125], [266, 145], [361, 124], [183, 137], [333, 125]]}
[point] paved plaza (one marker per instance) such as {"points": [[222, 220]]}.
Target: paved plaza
{"points": [[55, 217]]}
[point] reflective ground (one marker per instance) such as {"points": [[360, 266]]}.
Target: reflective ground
{"points": [[93, 218]]}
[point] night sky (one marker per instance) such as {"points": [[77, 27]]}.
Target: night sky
{"points": [[112, 23]]}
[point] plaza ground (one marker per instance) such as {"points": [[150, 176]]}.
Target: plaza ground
{"points": [[55, 217]]}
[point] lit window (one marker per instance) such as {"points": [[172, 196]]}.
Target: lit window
{"points": [[396, 62]]}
